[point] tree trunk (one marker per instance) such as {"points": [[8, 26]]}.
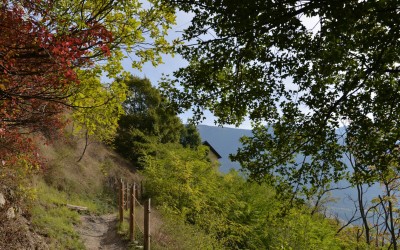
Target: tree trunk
{"points": [[362, 213], [86, 145]]}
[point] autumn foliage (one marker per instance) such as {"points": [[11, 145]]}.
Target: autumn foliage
{"points": [[37, 76]]}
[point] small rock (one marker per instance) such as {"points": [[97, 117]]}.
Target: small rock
{"points": [[10, 213], [2, 200]]}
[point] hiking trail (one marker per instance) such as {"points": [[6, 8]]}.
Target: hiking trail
{"points": [[100, 232]]}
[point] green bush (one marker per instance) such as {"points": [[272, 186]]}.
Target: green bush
{"points": [[237, 213]]}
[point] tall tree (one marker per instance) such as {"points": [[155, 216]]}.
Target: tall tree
{"points": [[190, 136], [148, 121]]}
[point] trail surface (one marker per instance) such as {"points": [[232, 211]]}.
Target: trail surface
{"points": [[100, 232]]}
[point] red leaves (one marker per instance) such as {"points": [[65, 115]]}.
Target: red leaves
{"points": [[105, 50], [37, 70]]}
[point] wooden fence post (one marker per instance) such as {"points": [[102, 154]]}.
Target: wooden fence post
{"points": [[147, 225], [132, 213], [121, 201], [126, 203]]}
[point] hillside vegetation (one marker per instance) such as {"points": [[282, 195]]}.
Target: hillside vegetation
{"points": [[42, 219], [66, 102], [236, 213], [196, 206], [62, 181]]}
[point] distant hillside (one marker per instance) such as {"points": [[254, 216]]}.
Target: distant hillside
{"points": [[225, 141]]}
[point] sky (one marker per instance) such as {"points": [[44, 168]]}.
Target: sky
{"points": [[173, 63]]}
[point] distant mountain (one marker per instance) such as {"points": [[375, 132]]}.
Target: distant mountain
{"points": [[225, 141]]}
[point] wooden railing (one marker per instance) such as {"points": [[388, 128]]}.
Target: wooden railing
{"points": [[128, 197]]}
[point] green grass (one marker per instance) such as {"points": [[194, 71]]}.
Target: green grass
{"points": [[100, 203], [52, 218], [57, 223]]}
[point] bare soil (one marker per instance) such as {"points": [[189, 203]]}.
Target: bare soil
{"points": [[100, 232]]}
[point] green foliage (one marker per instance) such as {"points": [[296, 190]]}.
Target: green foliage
{"points": [[263, 61], [181, 235], [97, 107], [135, 28], [299, 230], [190, 136], [189, 175], [148, 121], [239, 214]]}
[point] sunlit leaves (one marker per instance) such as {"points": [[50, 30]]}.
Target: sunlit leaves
{"points": [[240, 214], [96, 106], [53, 53], [137, 28]]}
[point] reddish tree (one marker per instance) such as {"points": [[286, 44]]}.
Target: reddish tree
{"points": [[37, 71]]}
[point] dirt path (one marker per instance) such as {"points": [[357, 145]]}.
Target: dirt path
{"points": [[100, 232]]}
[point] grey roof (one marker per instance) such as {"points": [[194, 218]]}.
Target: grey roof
{"points": [[212, 149]]}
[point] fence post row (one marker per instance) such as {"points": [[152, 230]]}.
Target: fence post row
{"points": [[141, 189], [131, 195], [127, 199]]}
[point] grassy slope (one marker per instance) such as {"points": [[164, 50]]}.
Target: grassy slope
{"points": [[84, 183]]}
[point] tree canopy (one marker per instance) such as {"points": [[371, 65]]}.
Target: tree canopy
{"points": [[148, 122], [260, 59], [190, 136]]}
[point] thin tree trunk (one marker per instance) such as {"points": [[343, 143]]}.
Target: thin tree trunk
{"points": [[362, 213], [86, 145], [390, 212]]}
